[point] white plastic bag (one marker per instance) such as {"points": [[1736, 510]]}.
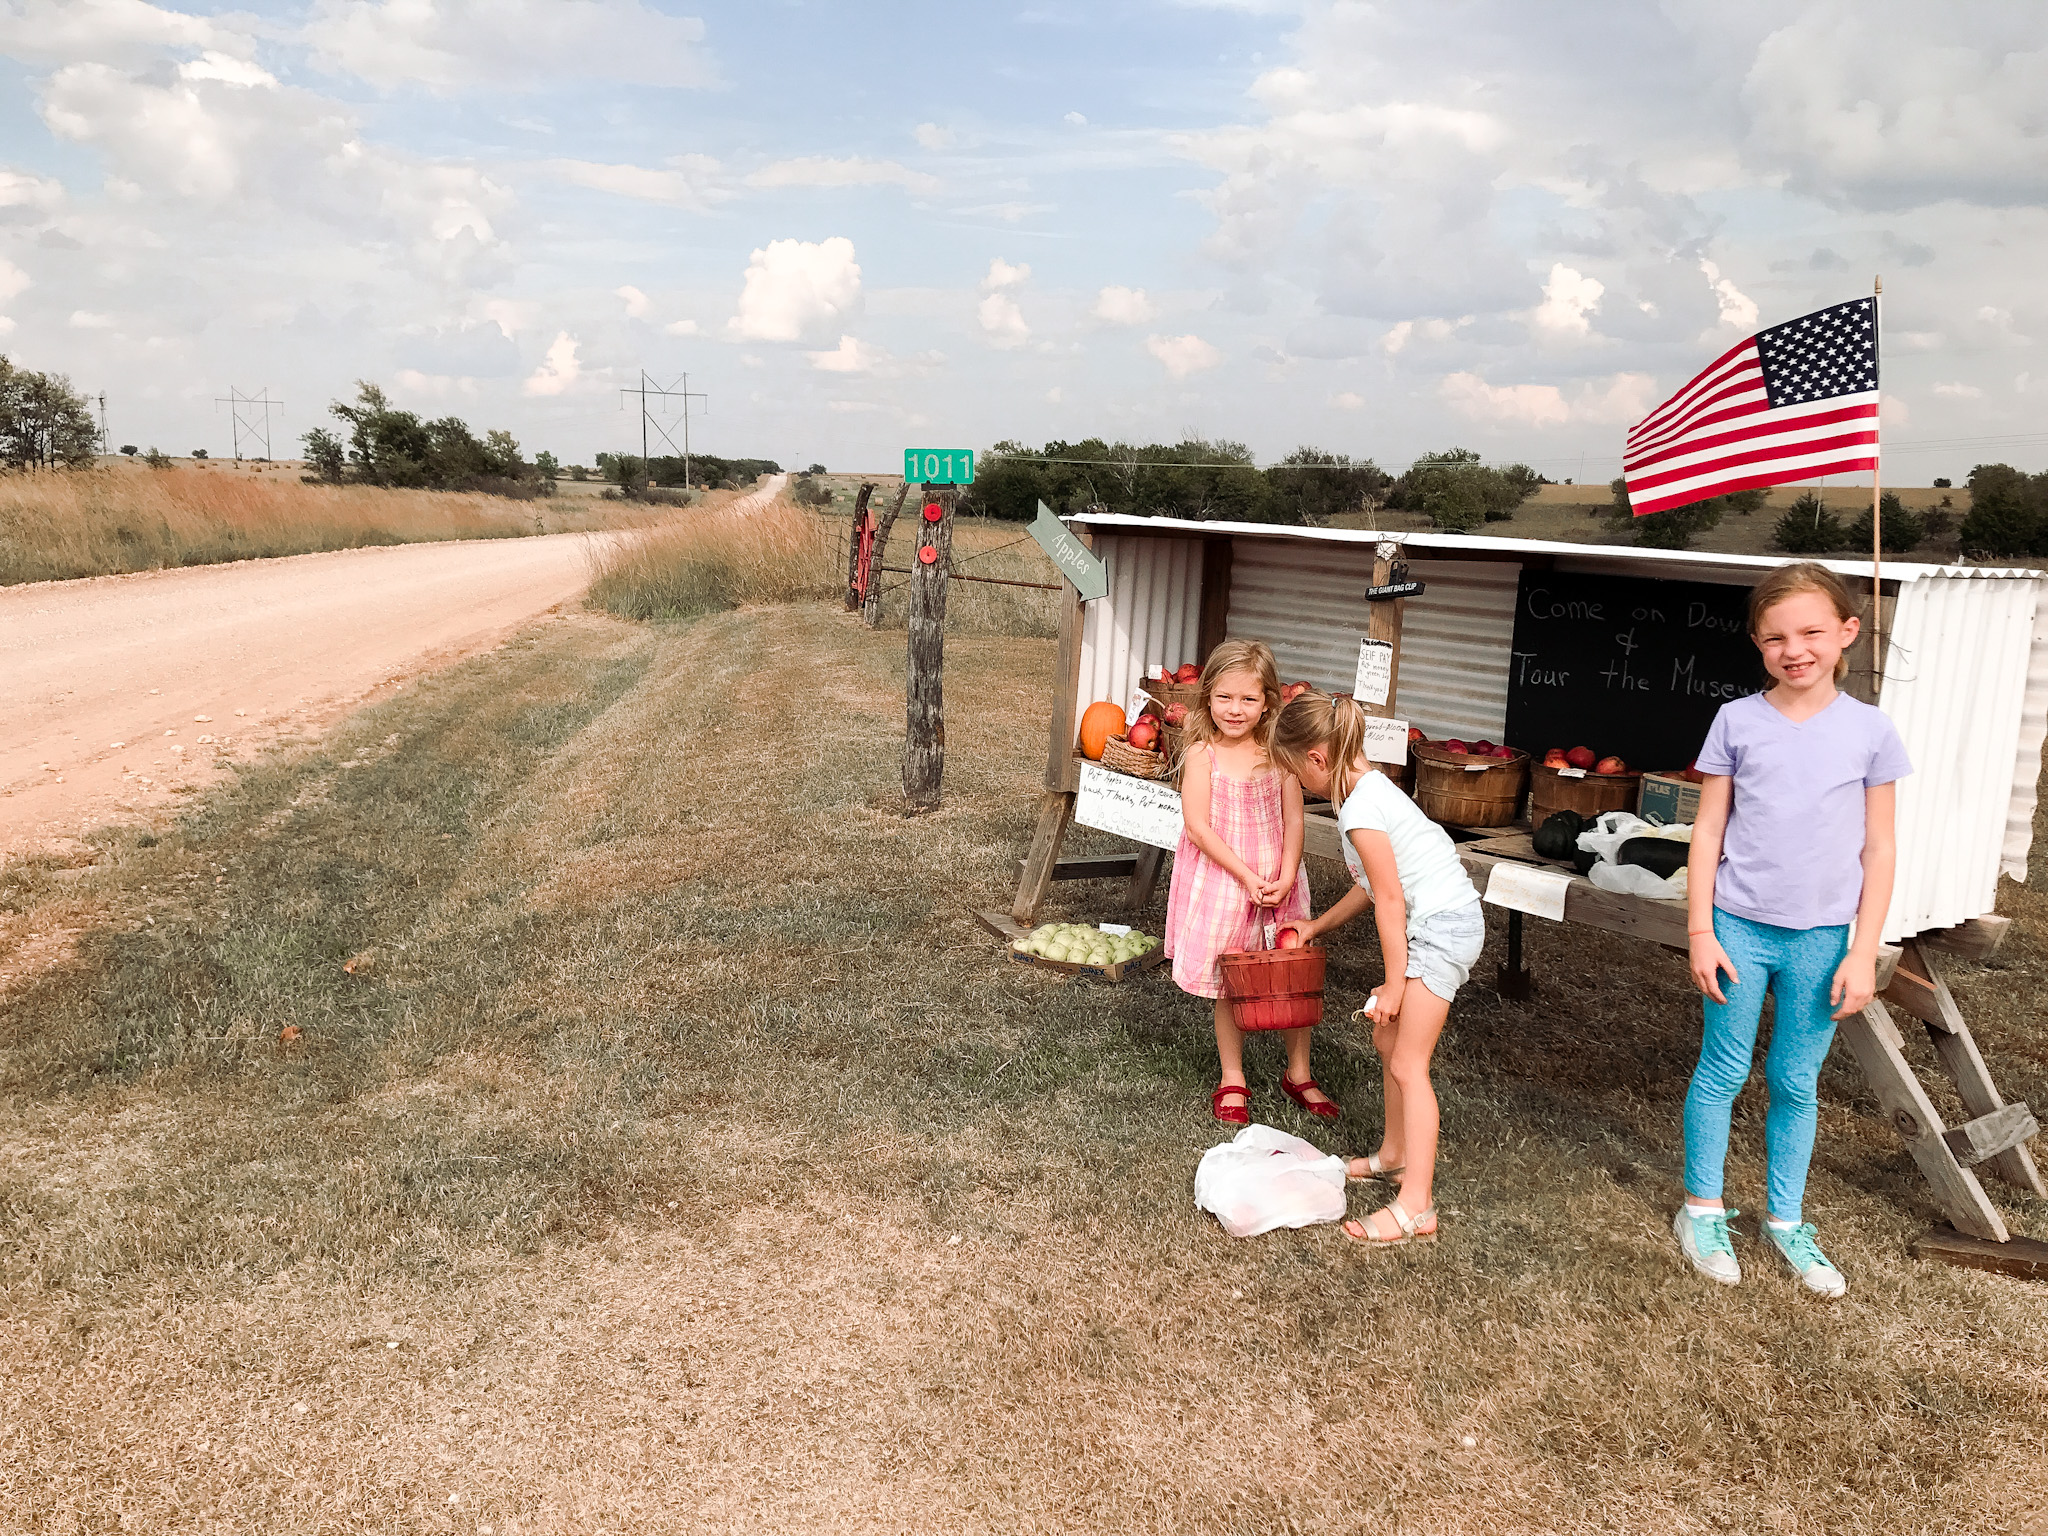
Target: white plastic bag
{"points": [[1609, 832], [1263, 1178]]}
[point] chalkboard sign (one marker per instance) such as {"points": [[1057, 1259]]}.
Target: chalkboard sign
{"points": [[1626, 665]]}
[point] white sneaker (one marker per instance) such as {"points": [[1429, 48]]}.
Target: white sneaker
{"points": [[1704, 1240], [1808, 1262]]}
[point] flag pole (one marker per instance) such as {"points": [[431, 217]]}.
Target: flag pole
{"points": [[1877, 509]]}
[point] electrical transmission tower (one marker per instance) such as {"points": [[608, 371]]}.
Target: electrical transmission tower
{"points": [[105, 442], [247, 423], [679, 391]]}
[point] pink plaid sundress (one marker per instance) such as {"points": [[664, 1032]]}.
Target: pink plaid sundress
{"points": [[1207, 911]]}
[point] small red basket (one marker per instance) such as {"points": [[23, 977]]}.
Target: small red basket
{"points": [[1274, 988]]}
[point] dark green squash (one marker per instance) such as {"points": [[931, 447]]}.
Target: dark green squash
{"points": [[1583, 861], [1661, 856], [1558, 837]]}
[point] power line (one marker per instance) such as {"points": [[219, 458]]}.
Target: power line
{"points": [[247, 423], [681, 391]]}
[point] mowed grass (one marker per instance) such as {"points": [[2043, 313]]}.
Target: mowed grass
{"points": [[663, 1148], [64, 524]]}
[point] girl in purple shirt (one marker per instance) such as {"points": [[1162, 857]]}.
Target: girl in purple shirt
{"points": [[1794, 838]]}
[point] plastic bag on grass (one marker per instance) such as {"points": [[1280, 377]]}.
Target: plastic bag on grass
{"points": [[1605, 838], [1263, 1178]]}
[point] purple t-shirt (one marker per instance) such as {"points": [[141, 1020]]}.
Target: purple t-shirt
{"points": [[1794, 849]]}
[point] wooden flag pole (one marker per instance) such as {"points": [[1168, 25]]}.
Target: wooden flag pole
{"points": [[1877, 505]]}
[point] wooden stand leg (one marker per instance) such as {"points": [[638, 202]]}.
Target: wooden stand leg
{"points": [[1144, 879], [1874, 1039], [1513, 980], [1055, 811], [1956, 1048]]}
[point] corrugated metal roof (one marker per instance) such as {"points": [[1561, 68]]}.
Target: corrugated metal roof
{"points": [[1151, 613], [1956, 686], [1455, 638], [2026, 775], [1677, 563]]}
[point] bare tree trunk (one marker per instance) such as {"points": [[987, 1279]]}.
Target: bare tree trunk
{"points": [[924, 738]]}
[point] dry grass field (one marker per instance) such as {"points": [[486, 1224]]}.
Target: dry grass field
{"points": [[572, 1098], [127, 517]]}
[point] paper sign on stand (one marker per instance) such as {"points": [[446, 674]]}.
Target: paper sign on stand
{"points": [[1375, 681], [1386, 741], [1143, 810], [1526, 888]]}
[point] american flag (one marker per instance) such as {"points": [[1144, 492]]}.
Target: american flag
{"points": [[1792, 403]]}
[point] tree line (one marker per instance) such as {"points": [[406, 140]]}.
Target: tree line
{"points": [[1214, 479], [44, 422]]}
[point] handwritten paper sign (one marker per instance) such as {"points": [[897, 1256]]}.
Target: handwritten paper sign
{"points": [[1143, 810], [1375, 679], [1386, 741], [1526, 888]]}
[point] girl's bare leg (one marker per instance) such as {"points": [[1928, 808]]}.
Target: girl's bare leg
{"points": [[1405, 1061], [1229, 1045], [1394, 1136]]}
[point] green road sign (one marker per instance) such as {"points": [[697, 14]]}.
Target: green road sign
{"points": [[1076, 561], [939, 466]]}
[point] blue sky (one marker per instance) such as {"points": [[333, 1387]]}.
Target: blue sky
{"points": [[1377, 228]]}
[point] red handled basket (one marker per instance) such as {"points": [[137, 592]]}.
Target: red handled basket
{"points": [[1274, 988]]}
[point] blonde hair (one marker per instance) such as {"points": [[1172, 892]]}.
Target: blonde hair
{"points": [[1789, 581], [1336, 725], [1253, 656]]}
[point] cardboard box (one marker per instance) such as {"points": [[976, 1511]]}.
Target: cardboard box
{"points": [[1668, 800]]}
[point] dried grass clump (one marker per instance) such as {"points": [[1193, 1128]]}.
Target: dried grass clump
{"points": [[700, 562], [104, 522]]}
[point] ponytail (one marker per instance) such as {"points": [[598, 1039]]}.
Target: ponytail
{"points": [[1336, 726]]}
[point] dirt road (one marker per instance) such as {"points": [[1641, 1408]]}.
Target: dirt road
{"points": [[119, 693]]}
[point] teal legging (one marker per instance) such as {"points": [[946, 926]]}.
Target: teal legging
{"points": [[1797, 967]]}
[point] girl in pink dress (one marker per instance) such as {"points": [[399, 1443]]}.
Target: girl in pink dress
{"points": [[1238, 865]]}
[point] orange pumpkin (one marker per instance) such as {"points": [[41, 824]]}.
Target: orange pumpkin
{"points": [[1098, 723]]}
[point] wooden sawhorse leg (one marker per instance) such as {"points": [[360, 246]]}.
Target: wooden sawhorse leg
{"points": [[1055, 815], [1991, 1134], [1144, 879]]}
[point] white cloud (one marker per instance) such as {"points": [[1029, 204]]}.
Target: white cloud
{"points": [[1075, 120], [691, 181], [851, 405], [1055, 395], [1002, 275], [680, 328], [559, 371], [449, 44], [6, 325], [1569, 300], [851, 356], [793, 287], [1738, 310], [436, 386], [1123, 306], [822, 171], [106, 31], [1953, 391], [636, 301], [1181, 356], [227, 69], [1002, 321], [89, 320], [1625, 398], [1009, 213], [20, 189], [1348, 400], [12, 280], [932, 136]]}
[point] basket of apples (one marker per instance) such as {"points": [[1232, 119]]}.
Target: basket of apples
{"points": [[1277, 988], [1180, 685], [1469, 783], [1580, 779], [1138, 751]]}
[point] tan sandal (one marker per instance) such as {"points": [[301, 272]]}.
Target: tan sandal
{"points": [[1374, 1169], [1411, 1228]]}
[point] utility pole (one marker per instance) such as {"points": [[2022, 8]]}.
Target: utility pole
{"points": [[679, 391], [247, 423], [105, 441]]}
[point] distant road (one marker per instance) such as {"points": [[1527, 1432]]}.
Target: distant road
{"points": [[289, 643]]}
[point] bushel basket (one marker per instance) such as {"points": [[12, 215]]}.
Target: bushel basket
{"points": [[1462, 791], [1274, 988], [1593, 794]]}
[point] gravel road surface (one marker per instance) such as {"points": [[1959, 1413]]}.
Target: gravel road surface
{"points": [[118, 694]]}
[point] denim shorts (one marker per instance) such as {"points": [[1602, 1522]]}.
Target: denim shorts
{"points": [[1443, 949]]}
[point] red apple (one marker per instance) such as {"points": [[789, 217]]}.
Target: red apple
{"points": [[1144, 734], [1610, 765], [1188, 673], [1415, 733], [1555, 758], [1455, 745], [1288, 938], [1481, 748], [1175, 713], [1507, 752], [1582, 757]]}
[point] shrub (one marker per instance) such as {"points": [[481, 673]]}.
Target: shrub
{"points": [[130, 449], [1428, 487], [1673, 528], [1903, 529], [2008, 512], [198, 453], [1809, 528]]}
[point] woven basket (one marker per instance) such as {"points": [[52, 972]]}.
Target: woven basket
{"points": [[1594, 795], [1119, 754], [1274, 988], [1449, 792], [1166, 693]]}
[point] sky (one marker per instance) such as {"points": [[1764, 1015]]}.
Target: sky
{"points": [[1379, 229]]}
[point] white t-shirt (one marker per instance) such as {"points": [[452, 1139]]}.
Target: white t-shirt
{"points": [[1432, 879]]}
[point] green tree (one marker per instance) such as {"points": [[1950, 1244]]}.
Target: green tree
{"points": [[44, 422], [2008, 512], [1450, 485], [1312, 486], [1903, 529], [326, 456], [1809, 528], [129, 450], [549, 468]]}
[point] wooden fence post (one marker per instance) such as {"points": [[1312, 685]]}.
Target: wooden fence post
{"points": [[871, 609], [857, 542], [924, 738]]}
